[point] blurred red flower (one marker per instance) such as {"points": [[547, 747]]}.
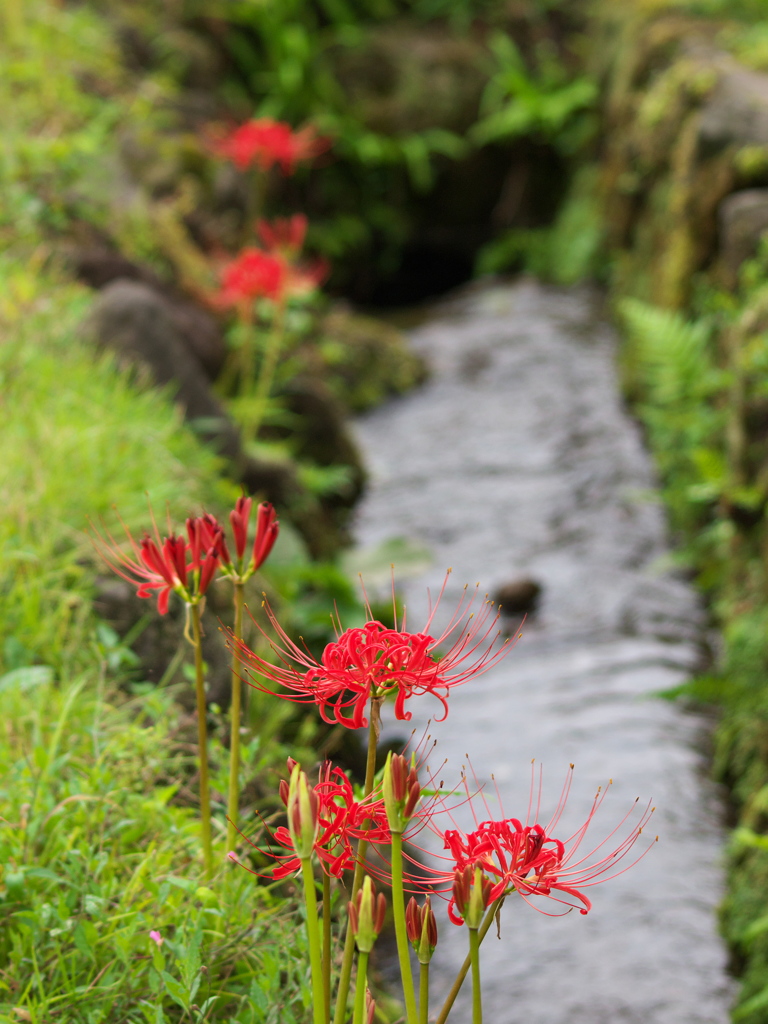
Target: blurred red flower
{"points": [[253, 274], [265, 143], [161, 567], [284, 234]]}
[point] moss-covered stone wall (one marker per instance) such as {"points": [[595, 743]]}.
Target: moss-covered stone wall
{"points": [[683, 185]]}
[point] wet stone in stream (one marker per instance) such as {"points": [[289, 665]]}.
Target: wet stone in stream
{"points": [[515, 461]]}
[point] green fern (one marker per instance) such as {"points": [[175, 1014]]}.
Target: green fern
{"points": [[669, 353]]}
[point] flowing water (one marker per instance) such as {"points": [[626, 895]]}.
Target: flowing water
{"points": [[518, 459]]}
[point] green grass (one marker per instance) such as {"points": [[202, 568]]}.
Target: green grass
{"points": [[95, 856], [98, 829], [78, 437]]}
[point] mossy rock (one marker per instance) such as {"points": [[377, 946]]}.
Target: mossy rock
{"points": [[403, 78]]}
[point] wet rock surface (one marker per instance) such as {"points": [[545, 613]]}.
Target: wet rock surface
{"points": [[528, 466]]}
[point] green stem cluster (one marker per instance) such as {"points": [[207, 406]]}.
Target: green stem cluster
{"points": [[202, 741], [313, 936], [357, 880], [403, 946], [235, 715], [266, 375]]}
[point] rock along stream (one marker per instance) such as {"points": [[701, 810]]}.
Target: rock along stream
{"points": [[517, 459]]}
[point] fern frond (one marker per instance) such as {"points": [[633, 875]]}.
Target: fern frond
{"points": [[671, 353]]}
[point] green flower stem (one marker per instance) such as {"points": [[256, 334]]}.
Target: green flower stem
{"points": [[423, 993], [327, 944], [254, 202], [235, 715], [403, 945], [313, 935], [360, 987], [357, 880], [202, 741], [474, 955], [459, 981], [266, 375]]}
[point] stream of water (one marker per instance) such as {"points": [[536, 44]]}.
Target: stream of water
{"points": [[518, 459]]}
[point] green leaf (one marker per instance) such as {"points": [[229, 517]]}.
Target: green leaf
{"points": [[26, 678], [81, 942], [175, 990]]}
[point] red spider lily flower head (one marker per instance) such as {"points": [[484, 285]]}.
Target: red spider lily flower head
{"points": [[401, 791], [207, 549], [366, 915], [367, 663], [256, 274], [253, 274], [421, 928], [156, 567], [264, 143], [471, 896], [528, 859], [267, 530], [342, 821], [284, 235]]}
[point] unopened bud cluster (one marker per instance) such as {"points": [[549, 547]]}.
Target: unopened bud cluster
{"points": [[366, 915], [401, 791], [421, 927]]}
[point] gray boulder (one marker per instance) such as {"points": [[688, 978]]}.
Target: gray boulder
{"points": [[743, 220]]}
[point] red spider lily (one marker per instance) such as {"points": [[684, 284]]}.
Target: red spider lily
{"points": [[254, 274], [158, 567], [264, 143], [267, 530], [529, 860], [284, 235], [421, 928], [472, 894], [207, 548], [367, 663], [342, 821]]}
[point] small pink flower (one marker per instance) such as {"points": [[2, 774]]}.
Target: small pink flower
{"points": [[156, 937]]}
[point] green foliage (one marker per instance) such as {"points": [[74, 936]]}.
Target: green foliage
{"points": [[79, 436], [98, 838], [546, 101], [569, 251], [670, 369], [97, 851], [65, 95]]}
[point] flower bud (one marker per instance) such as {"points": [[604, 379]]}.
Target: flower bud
{"points": [[267, 529], [471, 894], [302, 814], [366, 915], [401, 791], [238, 519], [421, 927]]}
